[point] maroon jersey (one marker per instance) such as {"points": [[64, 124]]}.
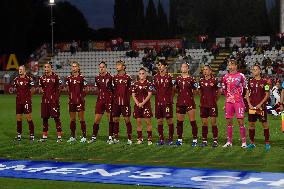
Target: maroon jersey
{"points": [[164, 89], [257, 90], [185, 87], [76, 87], [51, 88], [122, 87], [209, 92], [141, 91], [23, 86], [104, 84]]}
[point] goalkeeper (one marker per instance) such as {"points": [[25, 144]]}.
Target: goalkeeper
{"points": [[257, 96]]}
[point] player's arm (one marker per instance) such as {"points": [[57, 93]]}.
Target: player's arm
{"points": [[85, 88], [147, 98], [248, 100], [195, 87], [135, 99], [263, 100], [41, 91]]}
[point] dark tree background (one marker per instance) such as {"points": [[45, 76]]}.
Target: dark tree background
{"points": [[25, 25]]}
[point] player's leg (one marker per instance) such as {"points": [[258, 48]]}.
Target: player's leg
{"points": [[204, 132], [214, 131], [55, 114], [81, 115], [191, 115], [266, 133], [28, 113], [160, 122], [240, 110], [110, 127], [252, 124], [160, 119], [116, 112], [252, 118], [139, 130], [129, 129], [99, 111], [171, 130], [149, 129], [213, 113], [180, 119], [19, 127], [126, 112], [169, 118], [45, 114], [72, 126], [229, 114], [98, 118], [242, 132], [31, 126]]}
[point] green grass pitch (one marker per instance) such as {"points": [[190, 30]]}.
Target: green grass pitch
{"points": [[234, 158]]}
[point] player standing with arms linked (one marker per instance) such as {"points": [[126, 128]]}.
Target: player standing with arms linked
{"points": [[233, 84], [209, 92], [121, 101], [164, 101], [141, 93], [104, 101], [76, 89], [185, 87], [257, 96], [50, 84], [24, 86]]}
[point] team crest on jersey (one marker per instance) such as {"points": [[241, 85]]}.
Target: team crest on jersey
{"points": [[211, 84], [251, 84], [21, 83]]}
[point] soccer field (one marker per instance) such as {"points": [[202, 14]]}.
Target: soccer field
{"points": [[234, 158]]}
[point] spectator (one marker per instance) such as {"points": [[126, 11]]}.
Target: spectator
{"points": [[269, 69], [6, 77], [243, 41], [73, 47], [90, 45]]}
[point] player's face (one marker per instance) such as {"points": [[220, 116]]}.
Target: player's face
{"points": [[162, 67], [119, 67], [278, 84], [232, 66], [142, 74], [22, 70], [184, 68], [206, 71], [102, 68], [256, 71], [47, 68], [75, 68]]}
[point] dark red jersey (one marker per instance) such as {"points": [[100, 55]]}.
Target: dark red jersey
{"points": [[23, 87], [185, 87], [51, 88], [121, 88], [141, 90], [257, 90], [76, 85], [209, 92], [164, 89], [105, 85]]}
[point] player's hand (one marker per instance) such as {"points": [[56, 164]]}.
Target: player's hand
{"points": [[258, 106], [140, 105], [250, 106], [281, 108]]}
